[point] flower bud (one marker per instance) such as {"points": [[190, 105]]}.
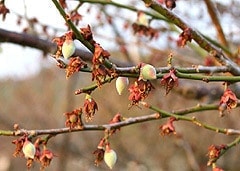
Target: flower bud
{"points": [[110, 157], [68, 48], [121, 84], [28, 149], [148, 72]]}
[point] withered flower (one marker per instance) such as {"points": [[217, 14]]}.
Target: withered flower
{"points": [[214, 152], [29, 163], [228, 101], [115, 119], [63, 3], [168, 128], [143, 30], [229, 98], [99, 54], [141, 26], [19, 145], [99, 152], [75, 17], [169, 80], [170, 4], [99, 71], [46, 158], [139, 90], [90, 107], [59, 41], [209, 61], [3, 10], [74, 118], [87, 34], [185, 36], [75, 65], [38, 150]]}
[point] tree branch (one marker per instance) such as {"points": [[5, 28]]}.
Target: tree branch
{"points": [[212, 13], [201, 41]]}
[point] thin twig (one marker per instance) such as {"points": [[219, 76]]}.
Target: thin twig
{"points": [[201, 41]]}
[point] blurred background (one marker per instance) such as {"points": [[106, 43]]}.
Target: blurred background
{"points": [[34, 92]]}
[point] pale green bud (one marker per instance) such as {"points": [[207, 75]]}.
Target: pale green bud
{"points": [[148, 72], [68, 48], [28, 149], [110, 158], [121, 84]]}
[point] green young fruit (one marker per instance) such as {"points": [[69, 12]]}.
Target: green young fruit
{"points": [[121, 84], [110, 158], [148, 72], [29, 149], [68, 48]]}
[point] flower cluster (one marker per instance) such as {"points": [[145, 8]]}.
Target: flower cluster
{"points": [[33, 152], [60, 41], [104, 152], [139, 90]]}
